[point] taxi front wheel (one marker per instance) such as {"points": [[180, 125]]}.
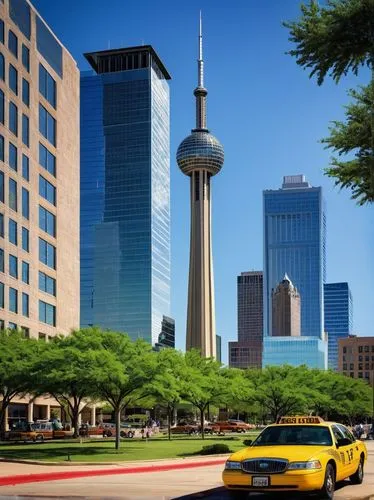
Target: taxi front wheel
{"points": [[327, 491]]}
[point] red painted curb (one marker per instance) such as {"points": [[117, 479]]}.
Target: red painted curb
{"points": [[55, 476]]}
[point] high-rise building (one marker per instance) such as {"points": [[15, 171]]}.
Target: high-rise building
{"points": [[167, 335], [356, 357], [39, 183], [247, 351], [295, 351], [338, 318], [125, 192], [295, 243], [200, 156], [219, 348], [286, 309]]}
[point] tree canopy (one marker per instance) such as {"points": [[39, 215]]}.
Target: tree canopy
{"points": [[333, 40]]}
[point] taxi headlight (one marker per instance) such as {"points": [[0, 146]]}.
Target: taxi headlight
{"points": [[233, 465], [311, 464]]}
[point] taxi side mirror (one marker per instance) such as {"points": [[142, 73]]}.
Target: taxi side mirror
{"points": [[343, 442]]}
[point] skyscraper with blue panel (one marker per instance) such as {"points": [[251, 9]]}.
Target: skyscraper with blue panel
{"points": [[295, 243], [338, 318], [125, 192]]}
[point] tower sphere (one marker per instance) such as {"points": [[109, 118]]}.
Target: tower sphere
{"points": [[200, 150]]}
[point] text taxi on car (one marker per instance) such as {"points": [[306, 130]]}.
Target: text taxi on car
{"points": [[297, 454]]}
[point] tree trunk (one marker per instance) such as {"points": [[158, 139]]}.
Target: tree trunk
{"points": [[74, 418], [202, 422], [2, 422], [118, 426], [169, 423]]}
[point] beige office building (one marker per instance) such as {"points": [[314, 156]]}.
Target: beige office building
{"points": [[356, 357], [39, 181], [286, 312]]}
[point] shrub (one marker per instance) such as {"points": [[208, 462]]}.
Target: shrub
{"points": [[214, 449]]}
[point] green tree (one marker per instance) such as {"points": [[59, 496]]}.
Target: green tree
{"points": [[282, 390], [18, 356], [66, 372], [335, 39], [124, 372], [167, 382], [353, 138], [205, 382]]}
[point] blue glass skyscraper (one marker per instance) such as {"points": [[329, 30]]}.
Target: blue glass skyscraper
{"points": [[295, 243], [125, 192], [338, 318]]}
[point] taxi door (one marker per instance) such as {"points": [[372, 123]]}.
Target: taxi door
{"points": [[345, 453], [353, 449]]}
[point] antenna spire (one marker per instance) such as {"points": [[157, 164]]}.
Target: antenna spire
{"points": [[200, 60]]}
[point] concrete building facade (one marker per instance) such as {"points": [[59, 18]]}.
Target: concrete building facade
{"points": [[39, 181], [247, 351], [286, 310], [356, 357], [200, 156]]}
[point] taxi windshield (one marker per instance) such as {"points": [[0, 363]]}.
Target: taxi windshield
{"points": [[294, 435]]}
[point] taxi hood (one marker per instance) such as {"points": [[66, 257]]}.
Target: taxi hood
{"points": [[292, 453]]}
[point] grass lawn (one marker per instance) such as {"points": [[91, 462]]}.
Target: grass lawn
{"points": [[131, 449]]}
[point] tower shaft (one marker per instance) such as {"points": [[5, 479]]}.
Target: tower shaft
{"points": [[201, 328]]}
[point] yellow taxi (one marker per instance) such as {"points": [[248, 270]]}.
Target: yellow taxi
{"points": [[300, 453]]}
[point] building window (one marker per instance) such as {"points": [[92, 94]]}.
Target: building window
{"points": [[47, 284], [47, 190], [25, 130], [13, 266], [25, 203], [360, 366], [360, 348], [47, 160], [1, 31], [47, 125], [2, 187], [13, 231], [13, 79], [1, 260], [2, 225], [360, 358], [2, 67], [13, 157], [26, 58], [13, 118], [2, 298], [344, 366], [42, 336], [25, 239], [13, 195], [47, 313], [13, 300], [1, 148], [25, 92], [47, 221], [13, 43], [25, 272], [359, 374], [47, 253], [11, 325], [25, 305], [47, 86], [351, 367], [2, 112], [26, 332], [366, 348], [25, 168]]}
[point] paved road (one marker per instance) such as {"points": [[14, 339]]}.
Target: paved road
{"points": [[185, 484]]}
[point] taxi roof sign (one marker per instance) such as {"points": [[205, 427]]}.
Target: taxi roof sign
{"points": [[300, 420]]}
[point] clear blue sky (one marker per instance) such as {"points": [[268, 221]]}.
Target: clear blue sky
{"points": [[266, 112]]}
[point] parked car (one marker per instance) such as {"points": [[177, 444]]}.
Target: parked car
{"points": [[86, 430], [126, 430], [232, 426], [185, 428], [22, 431]]}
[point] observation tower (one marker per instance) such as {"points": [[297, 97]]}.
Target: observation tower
{"points": [[200, 156]]}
